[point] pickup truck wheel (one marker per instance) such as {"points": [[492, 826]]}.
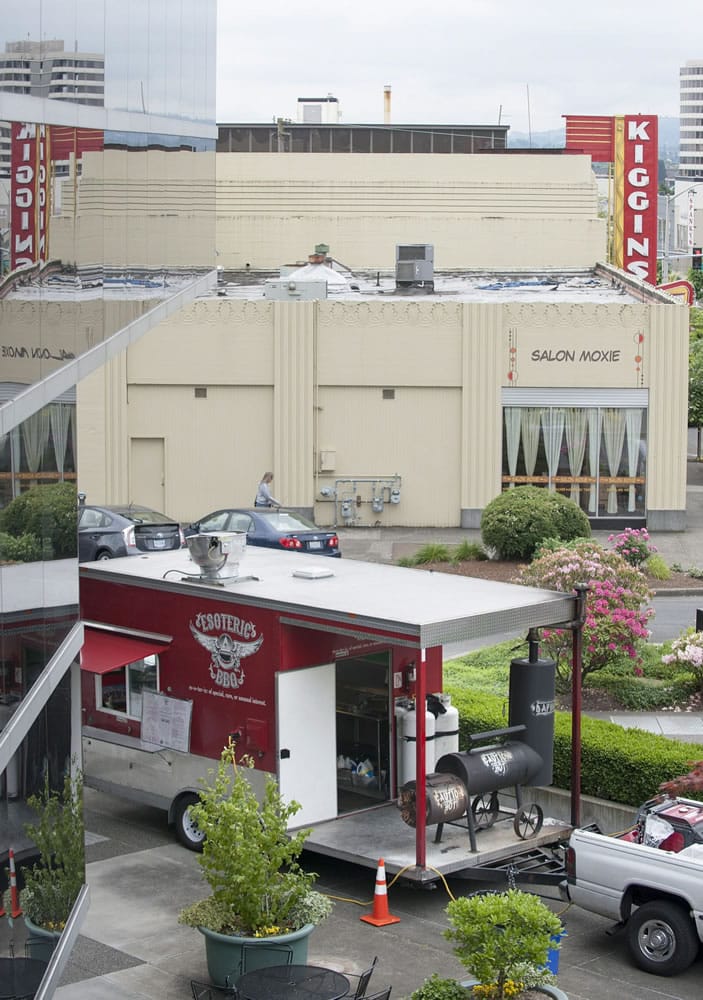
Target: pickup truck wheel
{"points": [[662, 938], [186, 829]]}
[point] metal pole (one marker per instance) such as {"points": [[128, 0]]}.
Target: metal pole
{"points": [[576, 666], [420, 762], [665, 259]]}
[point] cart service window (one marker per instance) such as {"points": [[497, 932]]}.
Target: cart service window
{"points": [[120, 690]]}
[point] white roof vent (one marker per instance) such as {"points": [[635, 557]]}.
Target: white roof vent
{"points": [[313, 573]]}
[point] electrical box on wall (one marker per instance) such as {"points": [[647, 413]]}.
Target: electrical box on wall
{"points": [[328, 460], [285, 290]]}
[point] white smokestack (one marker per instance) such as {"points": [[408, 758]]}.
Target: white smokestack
{"points": [[387, 104]]}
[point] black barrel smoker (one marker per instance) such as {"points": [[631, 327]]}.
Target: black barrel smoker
{"points": [[466, 784]]}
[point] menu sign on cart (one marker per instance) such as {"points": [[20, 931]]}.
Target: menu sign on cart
{"points": [[166, 721]]}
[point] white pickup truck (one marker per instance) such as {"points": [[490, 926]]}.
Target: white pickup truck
{"points": [[649, 880]]}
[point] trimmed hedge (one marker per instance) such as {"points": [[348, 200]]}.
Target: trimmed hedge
{"points": [[619, 765], [24, 548], [518, 521], [50, 514]]}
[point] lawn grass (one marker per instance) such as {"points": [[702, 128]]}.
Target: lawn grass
{"points": [[487, 671]]}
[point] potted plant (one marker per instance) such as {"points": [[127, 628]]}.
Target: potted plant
{"points": [[259, 892], [503, 939], [52, 884]]}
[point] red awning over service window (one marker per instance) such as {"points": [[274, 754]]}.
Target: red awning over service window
{"points": [[105, 651]]}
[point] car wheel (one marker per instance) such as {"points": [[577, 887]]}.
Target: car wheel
{"points": [[186, 829], [103, 554], [662, 938]]}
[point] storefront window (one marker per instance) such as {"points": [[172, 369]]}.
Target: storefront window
{"points": [[597, 456], [120, 691]]}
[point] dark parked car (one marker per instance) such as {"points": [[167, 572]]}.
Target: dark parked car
{"points": [[124, 530], [272, 527]]}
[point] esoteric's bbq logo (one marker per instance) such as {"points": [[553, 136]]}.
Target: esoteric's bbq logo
{"points": [[229, 640]]}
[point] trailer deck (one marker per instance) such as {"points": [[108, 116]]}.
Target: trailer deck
{"points": [[364, 837]]}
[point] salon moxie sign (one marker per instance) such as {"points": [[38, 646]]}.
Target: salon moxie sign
{"points": [[631, 143], [29, 171], [534, 358]]}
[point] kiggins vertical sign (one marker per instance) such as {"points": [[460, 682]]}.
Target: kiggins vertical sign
{"points": [[630, 142], [30, 193], [636, 166]]}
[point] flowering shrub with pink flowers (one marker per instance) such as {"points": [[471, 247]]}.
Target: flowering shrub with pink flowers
{"points": [[616, 619], [688, 649], [633, 545]]}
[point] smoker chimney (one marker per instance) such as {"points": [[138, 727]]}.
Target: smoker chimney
{"points": [[387, 104]]}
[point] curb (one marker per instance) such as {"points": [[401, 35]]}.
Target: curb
{"points": [[680, 592]]}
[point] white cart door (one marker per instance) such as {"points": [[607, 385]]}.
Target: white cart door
{"points": [[307, 741]]}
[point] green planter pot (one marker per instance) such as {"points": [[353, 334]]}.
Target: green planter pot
{"points": [[224, 951], [547, 989], [40, 943]]}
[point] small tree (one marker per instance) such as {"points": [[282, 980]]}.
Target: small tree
{"points": [[503, 939], [52, 885], [249, 859], [616, 622]]}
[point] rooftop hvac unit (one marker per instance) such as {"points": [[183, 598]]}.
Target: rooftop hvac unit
{"points": [[414, 265]]}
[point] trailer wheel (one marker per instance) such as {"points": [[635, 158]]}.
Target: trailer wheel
{"points": [[528, 821], [661, 938], [485, 810], [186, 829]]}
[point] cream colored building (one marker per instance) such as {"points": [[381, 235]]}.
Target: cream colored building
{"points": [[447, 397], [527, 363], [497, 211]]}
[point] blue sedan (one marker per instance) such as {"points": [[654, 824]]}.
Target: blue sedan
{"points": [[272, 527]]}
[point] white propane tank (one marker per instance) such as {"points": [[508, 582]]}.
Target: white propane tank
{"points": [[406, 743], [446, 738]]}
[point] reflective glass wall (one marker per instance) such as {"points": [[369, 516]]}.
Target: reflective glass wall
{"points": [[98, 228]]}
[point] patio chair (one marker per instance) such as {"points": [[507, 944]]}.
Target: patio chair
{"points": [[383, 994], [254, 956], [362, 980], [208, 991]]}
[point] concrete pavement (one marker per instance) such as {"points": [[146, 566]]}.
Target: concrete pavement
{"points": [[132, 946]]}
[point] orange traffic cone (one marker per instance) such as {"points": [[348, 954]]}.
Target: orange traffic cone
{"points": [[16, 910], [380, 915]]}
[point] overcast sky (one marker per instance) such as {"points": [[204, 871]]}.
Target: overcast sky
{"points": [[455, 61]]}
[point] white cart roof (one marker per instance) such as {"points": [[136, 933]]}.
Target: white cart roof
{"points": [[421, 607]]}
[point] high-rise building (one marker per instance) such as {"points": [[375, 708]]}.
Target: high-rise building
{"points": [[74, 296], [691, 118], [47, 69]]}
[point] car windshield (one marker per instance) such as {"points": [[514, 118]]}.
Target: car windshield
{"points": [[281, 520], [145, 516]]}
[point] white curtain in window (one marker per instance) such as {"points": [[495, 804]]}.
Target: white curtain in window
{"points": [[633, 428], [593, 450], [553, 430], [512, 438], [614, 439], [530, 424], [576, 426], [59, 416], [35, 435]]}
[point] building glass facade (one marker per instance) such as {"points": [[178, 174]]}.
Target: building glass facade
{"points": [[99, 230]]}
